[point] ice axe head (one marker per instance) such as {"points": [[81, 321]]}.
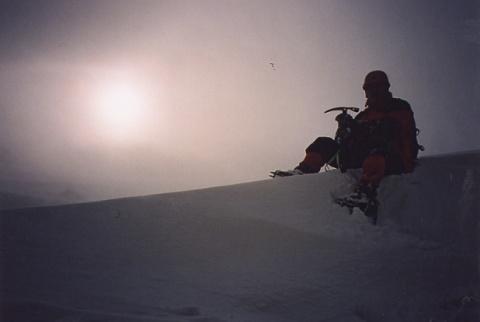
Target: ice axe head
{"points": [[344, 109]]}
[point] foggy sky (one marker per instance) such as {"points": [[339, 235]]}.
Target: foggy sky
{"points": [[229, 90]]}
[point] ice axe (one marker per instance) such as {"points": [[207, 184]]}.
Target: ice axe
{"points": [[344, 120], [343, 134]]}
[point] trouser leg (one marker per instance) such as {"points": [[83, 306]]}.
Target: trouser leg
{"points": [[322, 150]]}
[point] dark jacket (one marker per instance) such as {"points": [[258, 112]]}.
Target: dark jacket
{"points": [[388, 130]]}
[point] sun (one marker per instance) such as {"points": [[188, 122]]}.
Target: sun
{"points": [[119, 109], [120, 106]]}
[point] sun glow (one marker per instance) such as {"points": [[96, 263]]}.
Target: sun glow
{"points": [[120, 110], [120, 106]]}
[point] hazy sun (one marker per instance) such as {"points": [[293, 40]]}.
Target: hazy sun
{"points": [[119, 109], [120, 106]]}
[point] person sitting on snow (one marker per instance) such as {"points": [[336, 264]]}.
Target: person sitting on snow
{"points": [[381, 139]]}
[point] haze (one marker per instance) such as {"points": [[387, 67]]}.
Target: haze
{"points": [[160, 96]]}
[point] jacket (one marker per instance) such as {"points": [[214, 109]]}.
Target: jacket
{"points": [[389, 131]]}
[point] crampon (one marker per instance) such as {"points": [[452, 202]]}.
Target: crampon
{"points": [[365, 199]]}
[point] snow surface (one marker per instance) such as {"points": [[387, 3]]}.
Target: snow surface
{"points": [[273, 250]]}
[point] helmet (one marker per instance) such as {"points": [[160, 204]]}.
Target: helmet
{"points": [[376, 77]]}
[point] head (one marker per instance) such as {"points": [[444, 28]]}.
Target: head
{"points": [[376, 86]]}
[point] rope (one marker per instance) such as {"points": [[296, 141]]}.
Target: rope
{"points": [[336, 157]]}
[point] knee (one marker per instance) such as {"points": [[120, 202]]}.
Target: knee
{"points": [[324, 146]]}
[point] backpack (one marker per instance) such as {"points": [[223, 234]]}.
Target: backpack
{"points": [[399, 104]]}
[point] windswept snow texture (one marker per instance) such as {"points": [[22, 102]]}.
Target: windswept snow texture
{"points": [[274, 250]]}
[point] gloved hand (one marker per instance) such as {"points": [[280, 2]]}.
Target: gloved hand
{"points": [[384, 129], [387, 128], [344, 119]]}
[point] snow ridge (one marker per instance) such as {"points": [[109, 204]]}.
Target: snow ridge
{"points": [[273, 250]]}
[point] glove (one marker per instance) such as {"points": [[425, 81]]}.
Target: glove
{"points": [[385, 129], [344, 120], [378, 134]]}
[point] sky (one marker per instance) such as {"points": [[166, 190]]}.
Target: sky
{"points": [[161, 96]]}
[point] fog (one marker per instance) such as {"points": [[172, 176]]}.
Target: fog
{"points": [[159, 96]]}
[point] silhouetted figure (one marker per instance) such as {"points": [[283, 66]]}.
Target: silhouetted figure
{"points": [[381, 139]]}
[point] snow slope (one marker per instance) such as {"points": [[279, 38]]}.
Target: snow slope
{"points": [[273, 250]]}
